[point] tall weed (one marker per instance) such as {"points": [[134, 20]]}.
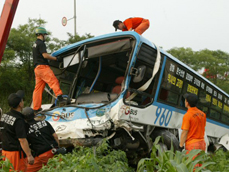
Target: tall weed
{"points": [[171, 161]]}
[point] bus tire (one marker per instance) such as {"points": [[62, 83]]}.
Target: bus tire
{"points": [[166, 138]]}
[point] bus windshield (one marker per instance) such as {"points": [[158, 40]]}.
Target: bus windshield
{"points": [[96, 68]]}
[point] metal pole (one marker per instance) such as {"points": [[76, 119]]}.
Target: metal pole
{"points": [[75, 17]]}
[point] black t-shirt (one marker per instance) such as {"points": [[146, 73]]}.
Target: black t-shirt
{"points": [[14, 128], [37, 143], [39, 47]]}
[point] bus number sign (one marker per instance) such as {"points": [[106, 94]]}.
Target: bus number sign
{"points": [[163, 116]]}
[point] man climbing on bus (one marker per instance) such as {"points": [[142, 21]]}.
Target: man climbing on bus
{"points": [[193, 125], [43, 73], [138, 24]]}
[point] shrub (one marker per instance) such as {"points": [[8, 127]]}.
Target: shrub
{"points": [[85, 159], [173, 162], [221, 158], [5, 165]]}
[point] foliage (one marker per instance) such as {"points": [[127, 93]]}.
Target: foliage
{"points": [[5, 165], [173, 162], [221, 158], [102, 158], [85, 159]]}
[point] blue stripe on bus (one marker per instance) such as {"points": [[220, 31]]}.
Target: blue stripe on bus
{"points": [[217, 123], [160, 79], [183, 112]]}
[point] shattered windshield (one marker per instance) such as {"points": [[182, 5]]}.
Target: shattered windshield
{"points": [[99, 69]]}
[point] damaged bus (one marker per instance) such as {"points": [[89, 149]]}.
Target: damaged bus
{"points": [[124, 88]]}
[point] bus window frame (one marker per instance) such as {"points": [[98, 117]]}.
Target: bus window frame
{"points": [[185, 82], [155, 80]]}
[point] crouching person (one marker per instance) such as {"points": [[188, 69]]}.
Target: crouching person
{"points": [[42, 139]]}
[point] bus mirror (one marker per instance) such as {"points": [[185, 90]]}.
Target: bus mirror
{"points": [[140, 72]]}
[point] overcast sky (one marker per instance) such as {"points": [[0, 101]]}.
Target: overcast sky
{"points": [[197, 24]]}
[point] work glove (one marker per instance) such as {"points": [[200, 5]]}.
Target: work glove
{"points": [[59, 59]]}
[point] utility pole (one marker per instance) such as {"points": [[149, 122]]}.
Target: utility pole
{"points": [[64, 19], [75, 17]]}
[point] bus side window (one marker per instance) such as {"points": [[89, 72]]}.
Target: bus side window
{"points": [[164, 94], [168, 96]]}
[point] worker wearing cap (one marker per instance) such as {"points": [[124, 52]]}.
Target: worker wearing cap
{"points": [[41, 136], [138, 24], [193, 125], [15, 146], [43, 73]]}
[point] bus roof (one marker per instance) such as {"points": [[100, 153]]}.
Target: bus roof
{"points": [[110, 35], [139, 39]]}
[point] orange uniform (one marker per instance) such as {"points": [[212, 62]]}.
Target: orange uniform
{"points": [[194, 121], [40, 161], [16, 158], [43, 75], [139, 24]]}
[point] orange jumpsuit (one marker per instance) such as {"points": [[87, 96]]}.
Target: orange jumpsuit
{"points": [[19, 164], [139, 24], [43, 75], [40, 161], [194, 121]]}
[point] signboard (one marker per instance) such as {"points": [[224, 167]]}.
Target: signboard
{"points": [[64, 21]]}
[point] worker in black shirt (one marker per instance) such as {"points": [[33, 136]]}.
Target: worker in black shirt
{"points": [[14, 134], [43, 73], [42, 139]]}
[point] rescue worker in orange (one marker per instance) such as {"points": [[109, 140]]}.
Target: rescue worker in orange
{"points": [[193, 125], [15, 146], [138, 24], [43, 73], [42, 137]]}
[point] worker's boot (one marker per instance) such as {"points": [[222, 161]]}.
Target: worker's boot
{"points": [[62, 101]]}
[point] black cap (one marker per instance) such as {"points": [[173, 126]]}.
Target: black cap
{"points": [[29, 114], [191, 98], [116, 23], [15, 98]]}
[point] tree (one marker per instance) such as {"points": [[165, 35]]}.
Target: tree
{"points": [[16, 70], [186, 55]]}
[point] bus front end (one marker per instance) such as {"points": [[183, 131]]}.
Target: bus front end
{"points": [[94, 76]]}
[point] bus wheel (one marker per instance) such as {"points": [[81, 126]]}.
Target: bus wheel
{"points": [[167, 138]]}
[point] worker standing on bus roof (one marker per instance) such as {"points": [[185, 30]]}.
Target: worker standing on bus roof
{"points": [[193, 125], [138, 24], [43, 73]]}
